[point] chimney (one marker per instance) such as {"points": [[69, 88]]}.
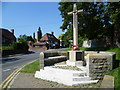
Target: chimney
{"points": [[52, 33], [12, 31]]}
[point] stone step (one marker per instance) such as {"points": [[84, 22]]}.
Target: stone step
{"points": [[82, 74], [84, 82], [79, 63], [81, 78], [74, 63], [63, 76], [64, 70], [83, 68]]}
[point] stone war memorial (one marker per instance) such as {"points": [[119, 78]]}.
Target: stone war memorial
{"points": [[75, 67]]}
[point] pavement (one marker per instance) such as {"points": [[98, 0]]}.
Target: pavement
{"points": [[28, 80]]}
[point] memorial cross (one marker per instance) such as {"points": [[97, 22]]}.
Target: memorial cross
{"points": [[75, 23]]}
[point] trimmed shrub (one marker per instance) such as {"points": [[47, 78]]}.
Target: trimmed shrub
{"points": [[20, 46]]}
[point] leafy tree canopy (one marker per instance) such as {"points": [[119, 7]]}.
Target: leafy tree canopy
{"points": [[96, 21], [25, 38]]}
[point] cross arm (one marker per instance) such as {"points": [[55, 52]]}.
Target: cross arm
{"points": [[80, 11], [70, 13]]}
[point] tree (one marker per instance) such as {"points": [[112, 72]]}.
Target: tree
{"points": [[68, 36], [29, 38], [94, 22], [89, 22], [39, 33], [61, 36], [25, 38], [114, 12], [22, 38]]}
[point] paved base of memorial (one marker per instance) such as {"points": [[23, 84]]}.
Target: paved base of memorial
{"points": [[64, 76]]}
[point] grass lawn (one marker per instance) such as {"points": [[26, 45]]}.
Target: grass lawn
{"points": [[116, 74], [117, 51], [32, 67]]}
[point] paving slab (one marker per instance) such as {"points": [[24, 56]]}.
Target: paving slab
{"points": [[108, 82]]}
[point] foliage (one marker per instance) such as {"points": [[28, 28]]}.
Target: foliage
{"points": [[97, 20], [80, 40], [39, 33], [20, 46], [68, 36], [60, 37], [29, 38], [22, 38], [25, 38], [31, 68], [87, 19], [117, 51], [114, 12], [6, 48]]}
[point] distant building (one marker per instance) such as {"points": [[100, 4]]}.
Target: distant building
{"points": [[7, 36], [48, 40]]}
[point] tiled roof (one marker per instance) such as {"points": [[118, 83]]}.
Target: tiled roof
{"points": [[7, 34], [50, 37]]}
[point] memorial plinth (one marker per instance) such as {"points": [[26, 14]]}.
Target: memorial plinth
{"points": [[76, 58]]}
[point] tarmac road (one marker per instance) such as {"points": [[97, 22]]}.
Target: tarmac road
{"points": [[11, 63]]}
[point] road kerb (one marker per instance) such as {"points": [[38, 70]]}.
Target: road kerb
{"points": [[11, 78], [7, 78], [6, 82]]}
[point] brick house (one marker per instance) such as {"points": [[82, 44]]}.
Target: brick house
{"points": [[7, 36], [48, 40]]}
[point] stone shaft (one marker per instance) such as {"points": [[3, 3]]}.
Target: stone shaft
{"points": [[75, 25]]}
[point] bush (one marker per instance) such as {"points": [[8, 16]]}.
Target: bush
{"points": [[6, 48], [20, 46]]}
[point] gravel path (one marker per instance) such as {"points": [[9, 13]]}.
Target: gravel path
{"points": [[27, 80]]}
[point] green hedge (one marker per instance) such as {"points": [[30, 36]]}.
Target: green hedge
{"points": [[20, 45], [6, 48], [15, 48]]}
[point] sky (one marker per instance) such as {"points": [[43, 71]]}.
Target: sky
{"points": [[26, 17]]}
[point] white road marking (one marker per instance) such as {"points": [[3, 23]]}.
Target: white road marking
{"points": [[6, 70]]}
